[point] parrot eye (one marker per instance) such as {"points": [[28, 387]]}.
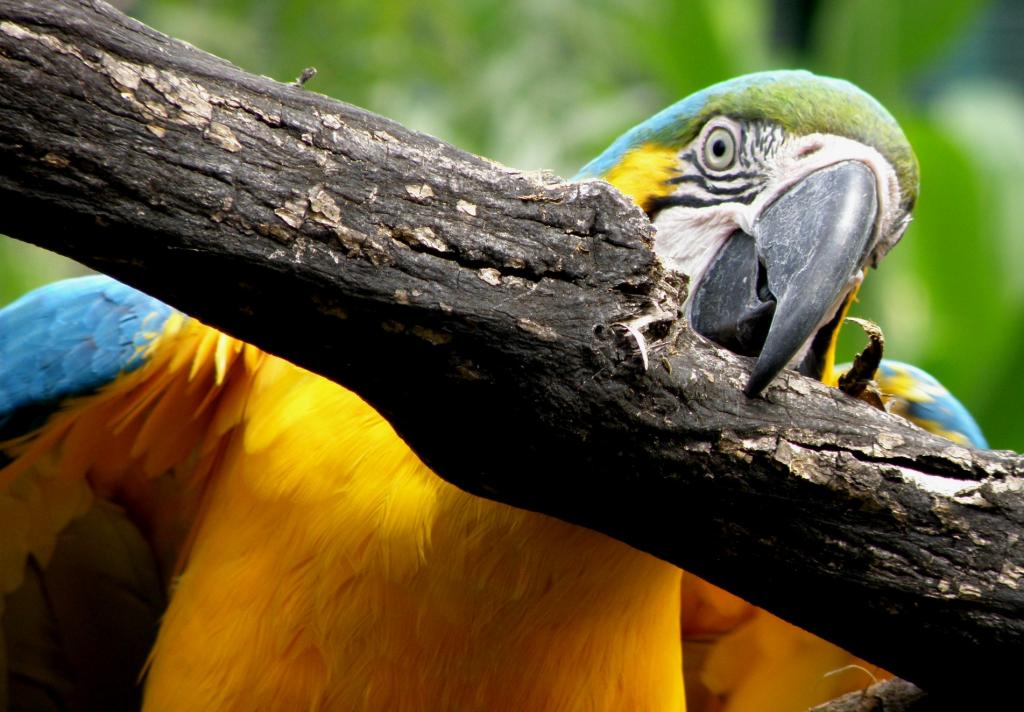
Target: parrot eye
{"points": [[719, 149]]}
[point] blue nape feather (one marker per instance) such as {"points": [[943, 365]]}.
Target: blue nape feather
{"points": [[69, 339]]}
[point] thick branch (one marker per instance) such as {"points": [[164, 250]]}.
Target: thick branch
{"points": [[888, 696], [482, 311]]}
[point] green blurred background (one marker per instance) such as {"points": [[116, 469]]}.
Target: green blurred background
{"points": [[543, 84]]}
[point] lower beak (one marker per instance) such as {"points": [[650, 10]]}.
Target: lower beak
{"points": [[765, 294]]}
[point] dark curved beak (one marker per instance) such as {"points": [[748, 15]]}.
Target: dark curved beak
{"points": [[765, 294]]}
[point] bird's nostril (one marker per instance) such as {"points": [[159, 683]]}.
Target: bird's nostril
{"points": [[809, 150]]}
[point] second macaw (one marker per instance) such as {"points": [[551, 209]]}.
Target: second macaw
{"points": [[311, 561]]}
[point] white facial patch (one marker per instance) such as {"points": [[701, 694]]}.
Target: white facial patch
{"points": [[688, 238]]}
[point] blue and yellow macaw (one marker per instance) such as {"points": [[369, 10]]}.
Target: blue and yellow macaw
{"points": [[308, 559]]}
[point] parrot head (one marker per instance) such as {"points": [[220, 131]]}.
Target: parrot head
{"points": [[773, 192]]}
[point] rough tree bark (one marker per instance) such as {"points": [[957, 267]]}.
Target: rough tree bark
{"points": [[493, 318], [890, 696]]}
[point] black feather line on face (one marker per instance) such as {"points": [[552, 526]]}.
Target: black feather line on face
{"points": [[719, 175], [691, 201], [712, 187]]}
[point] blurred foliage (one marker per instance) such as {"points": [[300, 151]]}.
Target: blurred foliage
{"points": [[537, 84]]}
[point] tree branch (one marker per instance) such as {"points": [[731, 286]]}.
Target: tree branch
{"points": [[492, 317], [888, 696]]}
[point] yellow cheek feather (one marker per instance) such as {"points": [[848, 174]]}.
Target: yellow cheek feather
{"points": [[643, 173], [829, 375]]}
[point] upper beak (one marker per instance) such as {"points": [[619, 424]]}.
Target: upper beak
{"points": [[765, 294]]}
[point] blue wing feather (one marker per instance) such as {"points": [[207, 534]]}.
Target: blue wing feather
{"points": [[928, 403], [916, 395], [68, 339]]}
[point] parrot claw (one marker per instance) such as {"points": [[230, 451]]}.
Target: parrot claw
{"points": [[859, 380]]}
